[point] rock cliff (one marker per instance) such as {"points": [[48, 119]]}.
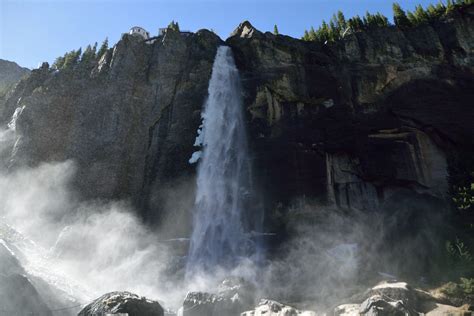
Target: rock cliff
{"points": [[128, 120], [351, 123], [357, 121]]}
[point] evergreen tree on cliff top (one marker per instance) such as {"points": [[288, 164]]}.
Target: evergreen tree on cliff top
{"points": [[103, 48], [173, 26], [399, 16]]}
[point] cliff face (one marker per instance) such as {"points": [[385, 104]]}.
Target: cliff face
{"points": [[128, 120], [10, 73], [354, 123], [363, 121]]}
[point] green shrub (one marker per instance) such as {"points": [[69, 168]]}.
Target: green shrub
{"points": [[463, 288]]}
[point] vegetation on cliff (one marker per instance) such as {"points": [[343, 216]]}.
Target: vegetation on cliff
{"points": [[75, 57], [338, 26]]}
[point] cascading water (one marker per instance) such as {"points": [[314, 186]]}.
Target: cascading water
{"points": [[9, 139], [222, 208]]}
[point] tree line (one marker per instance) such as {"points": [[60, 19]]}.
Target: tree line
{"points": [[91, 53], [75, 57], [338, 26]]}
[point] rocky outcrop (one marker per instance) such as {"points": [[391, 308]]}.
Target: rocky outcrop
{"points": [[10, 73], [122, 303]]}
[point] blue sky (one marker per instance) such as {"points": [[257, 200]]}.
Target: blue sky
{"points": [[33, 31]]}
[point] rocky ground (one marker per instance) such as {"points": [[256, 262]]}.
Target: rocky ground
{"points": [[386, 298]]}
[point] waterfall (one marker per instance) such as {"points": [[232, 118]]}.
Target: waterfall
{"points": [[9, 139], [221, 233]]}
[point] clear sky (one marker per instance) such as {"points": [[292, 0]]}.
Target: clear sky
{"points": [[32, 31]]}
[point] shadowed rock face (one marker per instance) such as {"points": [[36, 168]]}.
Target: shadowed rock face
{"points": [[356, 121], [352, 123]]}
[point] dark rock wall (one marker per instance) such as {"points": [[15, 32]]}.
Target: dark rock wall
{"points": [[356, 121]]}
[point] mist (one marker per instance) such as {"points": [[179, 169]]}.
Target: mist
{"points": [[86, 249]]}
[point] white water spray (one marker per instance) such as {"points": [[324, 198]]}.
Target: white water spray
{"points": [[220, 234]]}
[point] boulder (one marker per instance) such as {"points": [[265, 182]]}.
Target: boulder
{"points": [[234, 295], [397, 298], [122, 303], [379, 305], [273, 308]]}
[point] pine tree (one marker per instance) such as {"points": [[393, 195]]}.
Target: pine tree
{"points": [[312, 34], [333, 33], [341, 21], [305, 36], [173, 26], [356, 24], [412, 18], [103, 48], [88, 55], [449, 6], [399, 16], [72, 58], [275, 30], [421, 15], [323, 32], [59, 62], [382, 20]]}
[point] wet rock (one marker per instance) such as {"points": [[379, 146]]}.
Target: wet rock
{"points": [[9, 263], [347, 310], [396, 298], [18, 296], [122, 303], [273, 308], [378, 305], [234, 295]]}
